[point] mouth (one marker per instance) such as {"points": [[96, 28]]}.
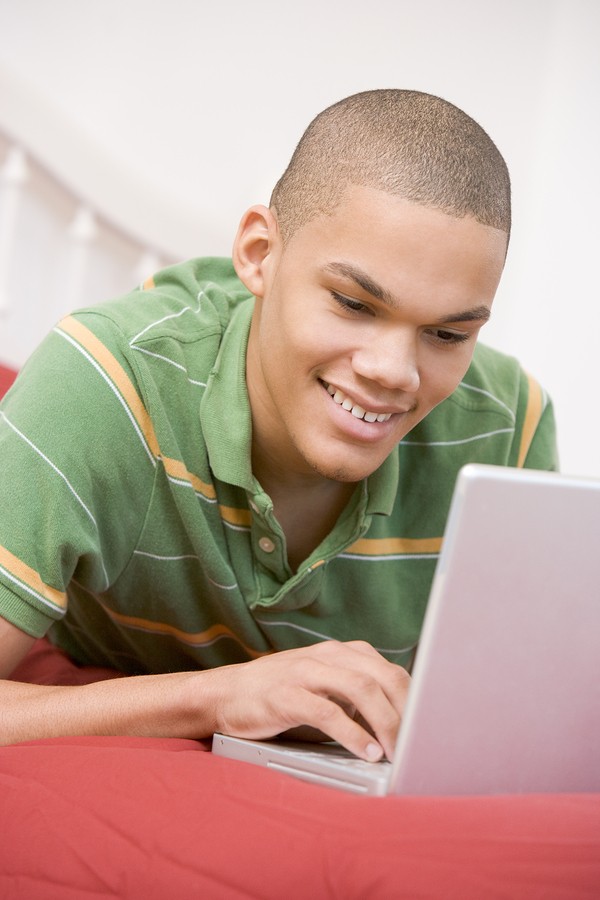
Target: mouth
{"points": [[347, 403]]}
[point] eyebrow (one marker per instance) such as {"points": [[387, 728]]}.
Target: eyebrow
{"points": [[352, 273]]}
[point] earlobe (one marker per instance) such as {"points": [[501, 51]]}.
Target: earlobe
{"points": [[255, 243]]}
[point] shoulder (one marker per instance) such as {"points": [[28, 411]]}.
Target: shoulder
{"points": [[156, 340], [488, 396], [493, 415], [492, 381], [182, 302], [173, 322], [497, 383]]}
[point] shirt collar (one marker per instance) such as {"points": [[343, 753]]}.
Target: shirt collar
{"points": [[225, 407]]}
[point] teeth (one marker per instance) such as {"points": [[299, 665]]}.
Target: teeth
{"points": [[356, 410]]}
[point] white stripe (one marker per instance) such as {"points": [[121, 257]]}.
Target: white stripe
{"points": [[52, 466], [497, 400], [475, 437], [183, 483], [166, 359], [65, 479], [167, 318], [236, 527], [159, 322], [327, 637], [113, 389], [159, 356], [225, 587], [165, 558], [31, 591], [171, 363], [383, 558]]}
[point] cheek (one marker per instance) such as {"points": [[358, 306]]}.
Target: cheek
{"points": [[281, 321], [444, 374], [286, 357], [299, 341]]}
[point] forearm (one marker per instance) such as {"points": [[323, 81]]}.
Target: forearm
{"points": [[179, 704], [331, 687]]}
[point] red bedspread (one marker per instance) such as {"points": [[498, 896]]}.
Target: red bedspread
{"points": [[144, 818], [150, 818], [7, 376]]}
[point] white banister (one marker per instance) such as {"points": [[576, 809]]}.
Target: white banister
{"points": [[147, 265], [82, 231], [13, 176], [120, 196]]}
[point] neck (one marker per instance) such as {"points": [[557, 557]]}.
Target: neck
{"points": [[306, 507]]}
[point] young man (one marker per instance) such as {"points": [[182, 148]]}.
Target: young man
{"points": [[257, 457]]}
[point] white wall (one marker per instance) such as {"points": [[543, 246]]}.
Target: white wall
{"points": [[204, 102]]}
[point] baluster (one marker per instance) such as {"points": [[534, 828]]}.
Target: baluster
{"points": [[82, 232], [13, 176], [147, 265]]}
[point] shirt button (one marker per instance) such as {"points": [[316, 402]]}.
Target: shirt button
{"points": [[266, 545]]}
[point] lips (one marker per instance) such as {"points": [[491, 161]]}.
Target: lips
{"points": [[355, 409]]}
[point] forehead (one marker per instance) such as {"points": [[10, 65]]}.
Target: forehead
{"points": [[405, 248]]}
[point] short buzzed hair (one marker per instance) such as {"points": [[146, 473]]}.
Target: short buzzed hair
{"points": [[408, 143]]}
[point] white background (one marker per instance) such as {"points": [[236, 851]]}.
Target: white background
{"points": [[204, 102]]}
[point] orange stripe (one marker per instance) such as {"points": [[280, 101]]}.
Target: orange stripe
{"points": [[533, 414], [31, 578], [148, 284], [236, 516], [200, 637], [389, 546], [117, 374], [121, 380], [176, 469]]}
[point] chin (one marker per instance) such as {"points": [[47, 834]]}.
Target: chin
{"points": [[343, 473], [344, 462]]}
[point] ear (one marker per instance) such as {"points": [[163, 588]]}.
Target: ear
{"points": [[255, 248]]}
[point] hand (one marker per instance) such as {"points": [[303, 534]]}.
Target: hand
{"points": [[346, 691]]}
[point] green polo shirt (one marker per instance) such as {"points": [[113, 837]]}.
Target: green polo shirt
{"points": [[132, 525]]}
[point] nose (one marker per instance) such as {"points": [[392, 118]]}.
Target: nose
{"points": [[390, 360]]}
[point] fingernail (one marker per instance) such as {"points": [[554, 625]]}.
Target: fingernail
{"points": [[374, 752]]}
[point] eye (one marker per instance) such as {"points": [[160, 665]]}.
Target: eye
{"points": [[346, 303], [448, 338]]}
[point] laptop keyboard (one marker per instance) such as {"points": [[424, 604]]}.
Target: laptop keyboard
{"points": [[340, 757]]}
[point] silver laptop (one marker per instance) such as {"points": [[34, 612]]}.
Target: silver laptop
{"points": [[505, 696]]}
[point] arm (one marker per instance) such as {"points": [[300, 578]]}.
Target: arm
{"points": [[322, 687]]}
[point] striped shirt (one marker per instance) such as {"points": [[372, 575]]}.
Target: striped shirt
{"points": [[132, 524]]}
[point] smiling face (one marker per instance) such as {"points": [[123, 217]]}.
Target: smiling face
{"points": [[364, 322]]}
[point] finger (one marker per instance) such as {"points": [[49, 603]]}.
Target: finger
{"points": [[394, 680], [312, 735], [357, 696], [328, 718]]}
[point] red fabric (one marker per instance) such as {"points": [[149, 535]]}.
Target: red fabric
{"points": [[46, 664], [7, 376], [149, 819]]}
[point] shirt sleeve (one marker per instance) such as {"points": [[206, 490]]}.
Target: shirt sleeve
{"points": [[76, 473]]}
